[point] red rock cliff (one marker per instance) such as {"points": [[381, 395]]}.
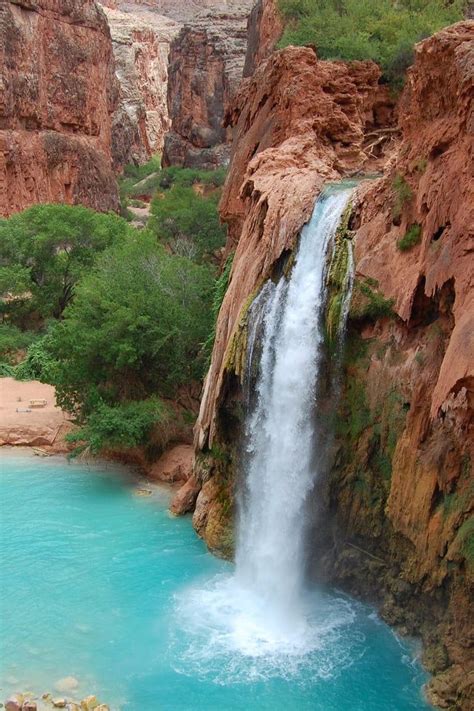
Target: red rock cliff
{"points": [[57, 95], [264, 29], [400, 495], [403, 490], [299, 122], [141, 41], [205, 66]]}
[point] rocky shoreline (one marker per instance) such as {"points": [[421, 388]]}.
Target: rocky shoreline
{"points": [[29, 701]]}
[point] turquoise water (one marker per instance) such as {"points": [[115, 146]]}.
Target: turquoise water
{"points": [[107, 587]]}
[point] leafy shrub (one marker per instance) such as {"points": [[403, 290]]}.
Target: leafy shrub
{"points": [[186, 177], [188, 222], [367, 303], [139, 172], [382, 30], [126, 424], [411, 238], [466, 538], [39, 364], [135, 327], [7, 370], [220, 287], [151, 177]]}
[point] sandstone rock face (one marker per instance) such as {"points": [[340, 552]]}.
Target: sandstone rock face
{"points": [[185, 498], [205, 65], [141, 45], [436, 163], [265, 28], [414, 510], [57, 95], [175, 465], [299, 123]]}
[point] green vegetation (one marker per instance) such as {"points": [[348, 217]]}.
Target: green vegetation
{"points": [[466, 539], [124, 425], [187, 222], [382, 30], [220, 288], [337, 275], [115, 318], [150, 178], [44, 251], [403, 195], [367, 303], [13, 341], [134, 329], [411, 238]]}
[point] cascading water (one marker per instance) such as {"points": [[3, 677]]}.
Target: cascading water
{"points": [[263, 611], [281, 467]]}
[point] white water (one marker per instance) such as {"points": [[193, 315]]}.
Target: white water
{"points": [[282, 468], [263, 613]]}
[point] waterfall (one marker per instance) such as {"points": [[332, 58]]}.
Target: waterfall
{"points": [[262, 621], [281, 466]]}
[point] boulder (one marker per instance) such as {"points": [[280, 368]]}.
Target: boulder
{"points": [[174, 465], [14, 703], [185, 498]]}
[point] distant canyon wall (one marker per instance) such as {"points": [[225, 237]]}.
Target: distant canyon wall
{"points": [[57, 96], [205, 67], [84, 91], [178, 64], [141, 45]]}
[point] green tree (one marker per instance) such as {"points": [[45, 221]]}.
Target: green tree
{"points": [[188, 222], [44, 251], [134, 329]]}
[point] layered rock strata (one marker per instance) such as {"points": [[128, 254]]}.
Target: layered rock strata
{"points": [[141, 45], [205, 66], [57, 96], [402, 489]]}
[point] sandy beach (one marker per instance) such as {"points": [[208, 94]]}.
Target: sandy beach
{"points": [[22, 424]]}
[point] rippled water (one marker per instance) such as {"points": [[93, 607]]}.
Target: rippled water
{"points": [[109, 588]]}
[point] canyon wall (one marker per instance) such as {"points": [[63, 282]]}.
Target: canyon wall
{"points": [[397, 525], [141, 45], [402, 488], [205, 66], [57, 96]]}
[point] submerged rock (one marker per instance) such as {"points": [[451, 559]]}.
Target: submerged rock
{"points": [[14, 703], [68, 683], [29, 706]]}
